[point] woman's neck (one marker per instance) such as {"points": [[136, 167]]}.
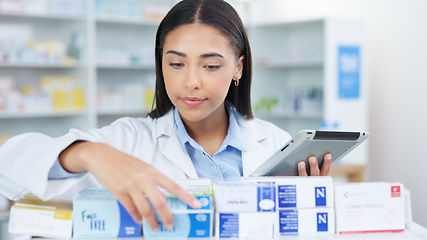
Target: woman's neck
{"points": [[210, 132]]}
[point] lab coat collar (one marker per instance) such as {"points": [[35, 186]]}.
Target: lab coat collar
{"points": [[173, 149], [253, 133]]}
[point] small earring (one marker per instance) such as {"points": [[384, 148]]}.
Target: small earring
{"points": [[236, 82]]}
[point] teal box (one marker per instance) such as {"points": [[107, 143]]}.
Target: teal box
{"points": [[98, 214], [188, 222]]}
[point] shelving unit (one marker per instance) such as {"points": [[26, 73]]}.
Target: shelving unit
{"points": [[298, 71], [105, 34]]}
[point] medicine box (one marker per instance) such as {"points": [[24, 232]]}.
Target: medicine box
{"points": [[245, 210], [98, 214], [32, 216], [245, 197], [306, 221], [300, 192], [188, 222], [256, 225], [194, 186], [369, 207]]}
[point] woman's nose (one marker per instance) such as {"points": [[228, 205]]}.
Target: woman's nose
{"points": [[193, 78]]}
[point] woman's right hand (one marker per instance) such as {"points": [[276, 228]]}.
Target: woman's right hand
{"points": [[131, 180]]}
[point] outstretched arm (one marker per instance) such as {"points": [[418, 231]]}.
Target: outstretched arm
{"points": [[128, 178]]}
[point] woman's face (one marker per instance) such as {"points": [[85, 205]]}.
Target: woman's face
{"points": [[198, 67]]}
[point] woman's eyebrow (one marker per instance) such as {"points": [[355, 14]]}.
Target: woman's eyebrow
{"points": [[177, 53], [207, 55]]}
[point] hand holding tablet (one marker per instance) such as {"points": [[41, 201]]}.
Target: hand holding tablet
{"points": [[309, 143]]}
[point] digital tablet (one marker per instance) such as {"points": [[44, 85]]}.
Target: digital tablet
{"points": [[309, 143]]}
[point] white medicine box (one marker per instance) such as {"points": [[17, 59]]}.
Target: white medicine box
{"points": [[369, 207]]}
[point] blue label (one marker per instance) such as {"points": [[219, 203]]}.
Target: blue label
{"points": [[267, 192], [200, 225], [320, 195], [287, 196], [128, 228], [348, 72], [322, 222], [205, 201], [228, 225], [288, 221]]}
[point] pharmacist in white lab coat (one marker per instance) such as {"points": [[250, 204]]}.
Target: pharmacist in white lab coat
{"points": [[202, 125]]}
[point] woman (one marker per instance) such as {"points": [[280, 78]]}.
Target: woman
{"points": [[202, 125]]}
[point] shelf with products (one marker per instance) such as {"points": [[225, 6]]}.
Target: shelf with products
{"points": [[125, 72], [43, 70], [44, 8], [311, 74]]}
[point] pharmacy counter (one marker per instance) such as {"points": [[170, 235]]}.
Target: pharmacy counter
{"points": [[413, 232]]}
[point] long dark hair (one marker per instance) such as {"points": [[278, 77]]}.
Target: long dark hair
{"points": [[218, 14]]}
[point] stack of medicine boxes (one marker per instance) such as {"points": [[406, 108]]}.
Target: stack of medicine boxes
{"points": [[305, 205], [98, 214], [245, 210]]}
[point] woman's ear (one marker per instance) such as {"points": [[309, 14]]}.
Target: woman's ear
{"points": [[239, 68]]}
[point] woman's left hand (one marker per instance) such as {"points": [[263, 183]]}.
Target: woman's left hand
{"points": [[314, 167]]}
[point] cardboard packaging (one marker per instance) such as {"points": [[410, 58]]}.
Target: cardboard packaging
{"points": [[369, 207], [98, 214], [194, 186], [188, 222], [306, 221], [245, 210], [241, 225], [300, 192], [32, 216]]}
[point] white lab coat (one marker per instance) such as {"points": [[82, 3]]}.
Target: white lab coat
{"points": [[25, 160]]}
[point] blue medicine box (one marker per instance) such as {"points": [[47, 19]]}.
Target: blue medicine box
{"points": [[188, 222]]}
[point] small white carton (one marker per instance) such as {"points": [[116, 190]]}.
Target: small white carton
{"points": [[32, 216], [245, 210], [188, 222], [369, 207], [306, 221], [245, 225], [98, 214], [300, 192], [194, 186]]}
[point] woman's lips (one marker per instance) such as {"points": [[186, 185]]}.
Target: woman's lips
{"points": [[192, 102]]}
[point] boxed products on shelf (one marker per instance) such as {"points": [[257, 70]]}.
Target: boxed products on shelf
{"points": [[370, 207], [300, 192], [188, 222], [45, 7], [305, 205], [98, 214], [304, 101], [31, 216], [55, 93], [124, 55], [306, 221], [125, 96], [40, 52], [245, 210]]}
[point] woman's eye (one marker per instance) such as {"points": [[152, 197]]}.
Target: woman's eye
{"points": [[176, 65], [213, 67]]}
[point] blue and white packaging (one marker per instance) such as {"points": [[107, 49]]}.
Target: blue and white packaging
{"points": [[194, 186], [306, 221], [98, 214], [245, 197], [245, 210], [241, 225], [300, 192], [188, 222]]}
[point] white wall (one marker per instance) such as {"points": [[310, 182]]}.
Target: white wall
{"points": [[397, 76]]}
